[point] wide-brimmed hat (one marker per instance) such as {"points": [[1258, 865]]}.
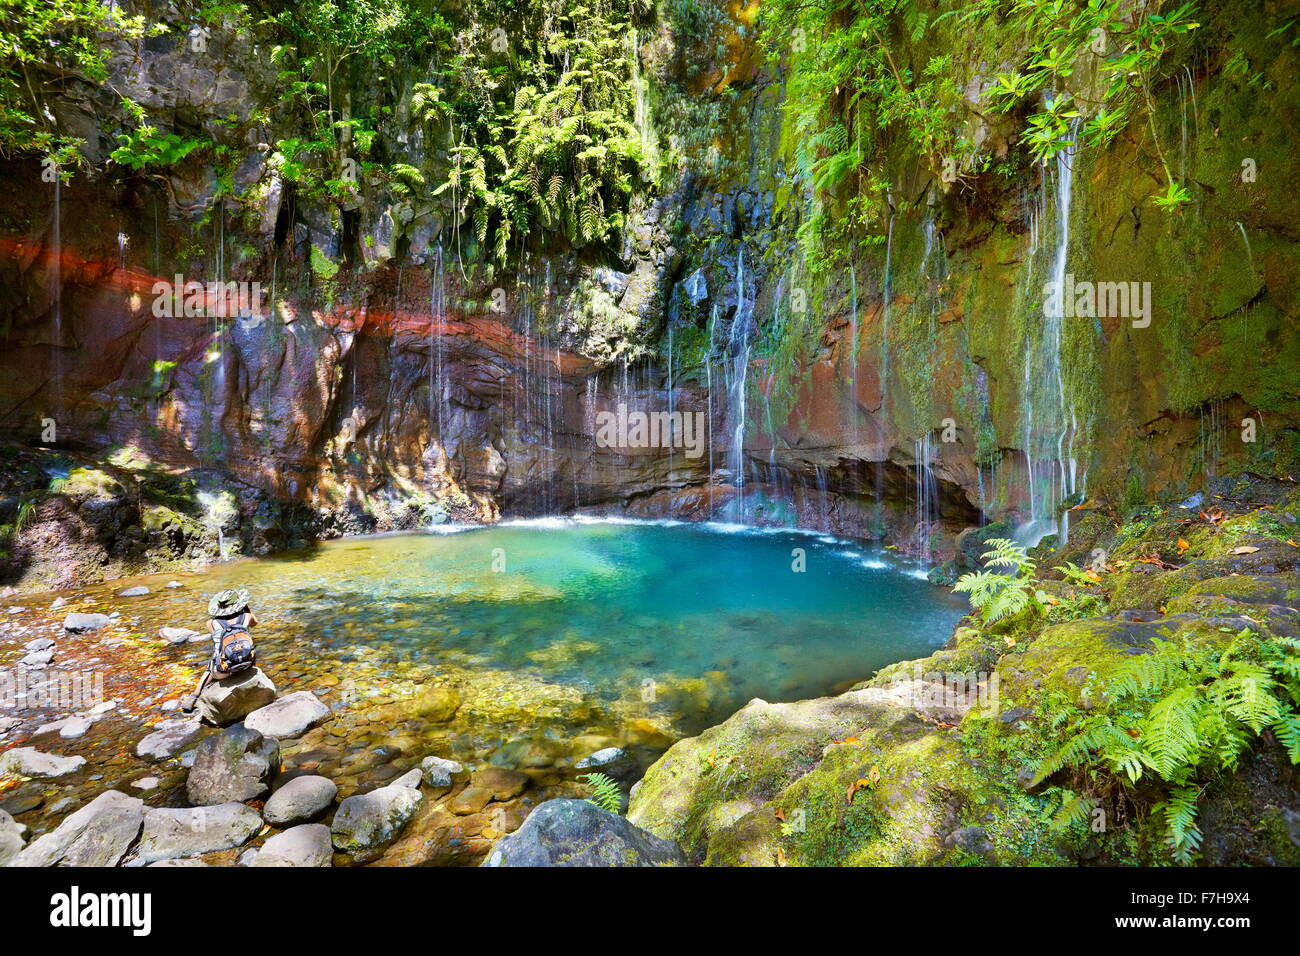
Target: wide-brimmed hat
{"points": [[228, 602]]}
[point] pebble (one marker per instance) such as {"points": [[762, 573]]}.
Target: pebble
{"points": [[145, 783]]}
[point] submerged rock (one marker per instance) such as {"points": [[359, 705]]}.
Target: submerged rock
{"points": [[438, 772], [96, 835], [501, 783], [77, 623], [578, 833], [234, 698], [236, 764]]}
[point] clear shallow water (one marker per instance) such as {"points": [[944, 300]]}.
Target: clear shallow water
{"points": [[696, 618]]}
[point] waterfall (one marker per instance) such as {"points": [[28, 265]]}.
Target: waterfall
{"points": [[438, 391], [1049, 417], [884, 320], [56, 283], [708, 372], [926, 490], [739, 345]]}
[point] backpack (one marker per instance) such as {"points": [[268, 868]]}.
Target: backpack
{"points": [[235, 651]]}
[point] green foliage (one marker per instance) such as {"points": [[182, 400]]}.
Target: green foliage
{"points": [[860, 81], [1180, 715], [1000, 594], [605, 792], [147, 147], [849, 95], [548, 143], [42, 45]]}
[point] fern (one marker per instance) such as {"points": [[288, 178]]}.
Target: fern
{"points": [[997, 595], [1183, 712], [605, 792], [1181, 832]]}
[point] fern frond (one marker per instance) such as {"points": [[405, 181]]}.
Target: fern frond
{"points": [[605, 792]]}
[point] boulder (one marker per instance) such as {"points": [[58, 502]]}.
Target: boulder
{"points": [[138, 591], [38, 644], [368, 822], [235, 765], [30, 762], [168, 834], [181, 635], [38, 659], [578, 833], [77, 623], [438, 772], [169, 738], [11, 837], [305, 845], [96, 835], [226, 701], [290, 716], [300, 800]]}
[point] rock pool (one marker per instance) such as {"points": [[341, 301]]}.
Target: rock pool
{"points": [[525, 646]]}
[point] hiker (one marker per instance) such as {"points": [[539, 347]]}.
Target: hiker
{"points": [[232, 647]]}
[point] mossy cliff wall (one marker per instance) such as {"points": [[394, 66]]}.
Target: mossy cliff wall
{"points": [[392, 371], [958, 347]]}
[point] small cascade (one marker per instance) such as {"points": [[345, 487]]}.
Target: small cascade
{"points": [[1210, 439], [641, 93], [1250, 256], [823, 498]]}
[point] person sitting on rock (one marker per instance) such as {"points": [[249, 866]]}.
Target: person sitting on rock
{"points": [[232, 646]]}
